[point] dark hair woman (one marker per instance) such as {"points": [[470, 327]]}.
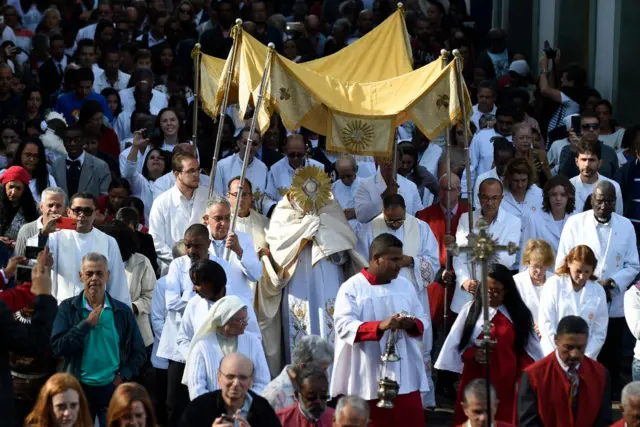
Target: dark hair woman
{"points": [[31, 156], [171, 132], [17, 206], [113, 101], [91, 117], [516, 345], [32, 104]]}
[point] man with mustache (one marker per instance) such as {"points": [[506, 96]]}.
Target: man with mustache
{"points": [[312, 392], [565, 388]]}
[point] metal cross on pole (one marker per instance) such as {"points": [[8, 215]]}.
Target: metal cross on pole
{"points": [[482, 247]]}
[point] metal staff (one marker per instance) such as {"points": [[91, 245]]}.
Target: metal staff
{"points": [[223, 106], [245, 160], [196, 54], [482, 246], [447, 136]]}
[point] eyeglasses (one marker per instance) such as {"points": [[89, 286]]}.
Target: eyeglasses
{"points": [[85, 211], [231, 377], [394, 222], [591, 126], [296, 155], [486, 199]]}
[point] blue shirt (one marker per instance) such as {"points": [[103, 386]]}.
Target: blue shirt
{"points": [[69, 106]]}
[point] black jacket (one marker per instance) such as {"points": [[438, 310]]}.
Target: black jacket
{"points": [[50, 79], [204, 409], [270, 157], [26, 340]]}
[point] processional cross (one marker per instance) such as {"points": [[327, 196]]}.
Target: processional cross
{"points": [[482, 247]]}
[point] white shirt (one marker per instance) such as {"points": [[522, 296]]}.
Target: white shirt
{"points": [[231, 167], [280, 177], [632, 315], [158, 99], [541, 225], [101, 82], [617, 259], [346, 197], [583, 191], [553, 155], [430, 158], [505, 228], [152, 40], [369, 196], [171, 214], [559, 300], [531, 204], [356, 366], [481, 151], [88, 32], [140, 187], [158, 317], [476, 115], [242, 271], [122, 126]]}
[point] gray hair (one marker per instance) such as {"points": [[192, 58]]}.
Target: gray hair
{"points": [[54, 10], [218, 200], [348, 158], [357, 403], [54, 191], [312, 349], [630, 390], [478, 388], [178, 249], [95, 257], [604, 186]]}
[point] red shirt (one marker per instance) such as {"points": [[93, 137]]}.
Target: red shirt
{"points": [[292, 417]]}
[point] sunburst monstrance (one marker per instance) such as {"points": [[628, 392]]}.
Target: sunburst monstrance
{"points": [[310, 188], [357, 135]]}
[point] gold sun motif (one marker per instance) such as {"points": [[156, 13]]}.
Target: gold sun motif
{"points": [[442, 101], [310, 188], [357, 135], [284, 94]]}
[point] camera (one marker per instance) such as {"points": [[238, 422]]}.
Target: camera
{"points": [[549, 52]]}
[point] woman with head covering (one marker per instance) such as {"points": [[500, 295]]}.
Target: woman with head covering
{"points": [[220, 335], [17, 206]]}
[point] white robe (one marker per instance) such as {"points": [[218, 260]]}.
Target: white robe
{"points": [[231, 167], [204, 363], [531, 204], [158, 317], [583, 191], [617, 260], [369, 196], [357, 365], [68, 247], [481, 152], [529, 292], [430, 158], [541, 225], [450, 358], [280, 176], [559, 300], [346, 196], [420, 244], [505, 228]]}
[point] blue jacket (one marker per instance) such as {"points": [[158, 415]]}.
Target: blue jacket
{"points": [[69, 106], [70, 330]]}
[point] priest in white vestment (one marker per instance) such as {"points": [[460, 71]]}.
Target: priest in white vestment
{"points": [[281, 173], [178, 208], [255, 226], [312, 245], [231, 167], [246, 268], [69, 246], [503, 227], [344, 189], [368, 307], [420, 258]]}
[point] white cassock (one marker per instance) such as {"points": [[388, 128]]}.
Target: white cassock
{"points": [[244, 272], [171, 215], [430, 158], [481, 152], [541, 225], [231, 167], [68, 247], [313, 250], [280, 176], [531, 204], [356, 366], [505, 228], [369, 196], [450, 358], [346, 196], [420, 244], [529, 292], [583, 191], [614, 245], [559, 299]]}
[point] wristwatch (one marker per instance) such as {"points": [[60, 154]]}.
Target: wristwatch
{"points": [[612, 284]]}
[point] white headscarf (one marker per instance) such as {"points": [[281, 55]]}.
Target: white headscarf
{"points": [[222, 311]]}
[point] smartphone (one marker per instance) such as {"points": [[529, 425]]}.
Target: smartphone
{"points": [[227, 417], [64, 223], [576, 125], [23, 273], [153, 133]]}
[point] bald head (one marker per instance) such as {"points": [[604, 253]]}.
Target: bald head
{"points": [[237, 360], [347, 167], [603, 200], [296, 149], [235, 377]]}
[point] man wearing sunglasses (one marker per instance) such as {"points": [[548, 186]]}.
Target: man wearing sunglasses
{"points": [[68, 246], [281, 173], [589, 131]]}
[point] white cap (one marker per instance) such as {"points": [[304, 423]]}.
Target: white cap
{"points": [[520, 66]]}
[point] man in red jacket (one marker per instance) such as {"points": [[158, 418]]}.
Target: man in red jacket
{"points": [[435, 216], [566, 388], [630, 406]]}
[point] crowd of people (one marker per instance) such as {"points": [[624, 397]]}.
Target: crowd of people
{"points": [[127, 298]]}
